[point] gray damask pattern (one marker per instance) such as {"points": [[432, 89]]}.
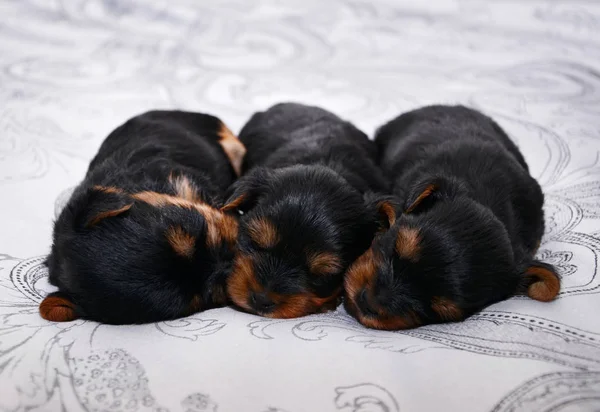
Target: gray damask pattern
{"points": [[71, 70]]}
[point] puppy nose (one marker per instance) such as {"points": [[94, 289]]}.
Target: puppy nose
{"points": [[362, 301], [261, 302]]}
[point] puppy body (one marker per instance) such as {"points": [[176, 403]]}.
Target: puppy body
{"points": [[304, 209], [141, 238], [471, 225]]}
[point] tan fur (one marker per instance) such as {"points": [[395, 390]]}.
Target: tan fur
{"points": [[182, 243], [426, 193], [162, 200], [301, 304], [234, 149], [108, 189], [546, 285], [242, 281], [324, 263], [407, 321], [408, 243], [388, 210], [195, 305], [108, 213], [263, 232], [219, 296], [361, 273], [233, 204], [220, 227], [446, 309], [57, 309], [184, 188]]}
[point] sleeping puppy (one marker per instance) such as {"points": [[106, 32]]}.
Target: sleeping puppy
{"points": [[142, 238], [471, 224], [304, 210]]}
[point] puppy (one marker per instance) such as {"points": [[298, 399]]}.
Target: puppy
{"points": [[471, 224], [142, 238], [305, 210]]}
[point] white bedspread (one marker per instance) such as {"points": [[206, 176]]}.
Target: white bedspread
{"points": [[72, 70]]}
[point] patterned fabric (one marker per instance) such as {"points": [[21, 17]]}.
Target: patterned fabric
{"points": [[72, 70]]}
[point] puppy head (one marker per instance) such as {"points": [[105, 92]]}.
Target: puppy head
{"points": [[138, 257], [297, 233], [444, 259]]}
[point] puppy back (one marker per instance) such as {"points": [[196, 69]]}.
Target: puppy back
{"points": [[431, 126], [193, 140], [292, 133]]}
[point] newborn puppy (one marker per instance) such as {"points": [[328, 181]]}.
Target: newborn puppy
{"points": [[471, 226], [142, 238], [305, 213]]}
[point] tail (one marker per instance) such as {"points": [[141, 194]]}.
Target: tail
{"points": [[540, 281], [58, 307]]}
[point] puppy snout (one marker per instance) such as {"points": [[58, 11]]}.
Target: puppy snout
{"points": [[261, 302], [362, 301]]}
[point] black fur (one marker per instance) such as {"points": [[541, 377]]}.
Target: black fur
{"points": [[122, 268], [470, 243], [308, 172]]}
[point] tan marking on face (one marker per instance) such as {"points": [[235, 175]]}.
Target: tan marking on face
{"points": [[234, 149], [182, 242], [184, 188], [220, 227], [302, 304], [426, 193], [289, 306], [408, 243], [546, 285], [407, 321], [242, 281], [361, 273], [324, 263], [446, 309], [329, 303], [263, 232]]}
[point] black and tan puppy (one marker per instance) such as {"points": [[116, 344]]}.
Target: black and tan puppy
{"points": [[142, 238], [304, 215], [471, 224]]}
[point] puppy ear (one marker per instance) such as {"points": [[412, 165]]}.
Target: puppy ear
{"points": [[244, 193], [99, 203], [385, 208], [58, 307], [426, 192], [540, 281]]}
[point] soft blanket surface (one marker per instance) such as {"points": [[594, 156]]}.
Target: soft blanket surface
{"points": [[72, 70]]}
